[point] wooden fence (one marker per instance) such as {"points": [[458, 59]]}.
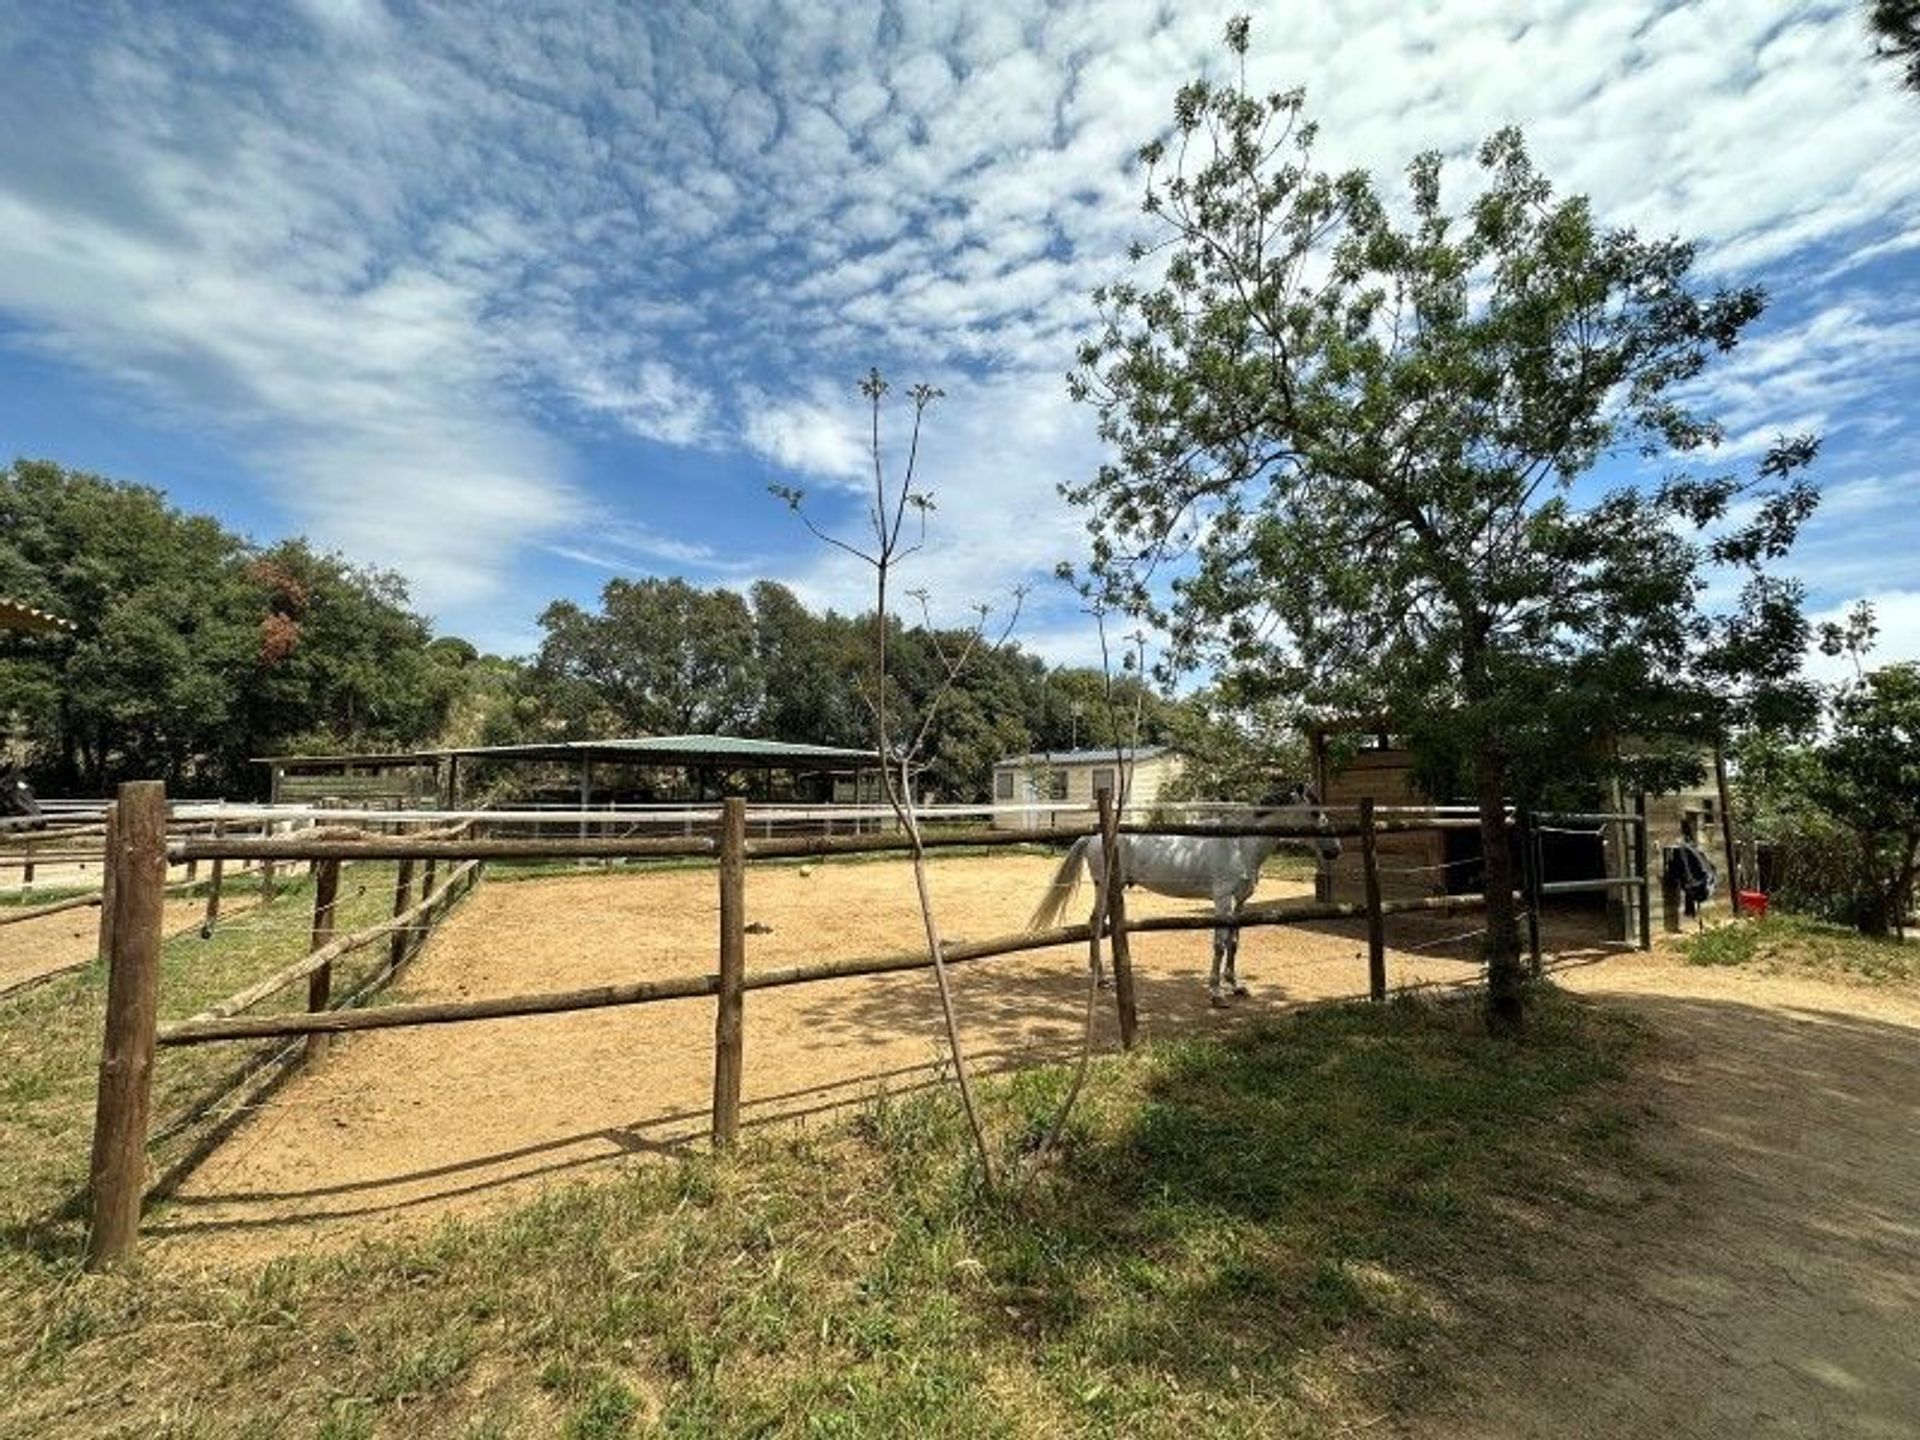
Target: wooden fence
{"points": [[139, 853]]}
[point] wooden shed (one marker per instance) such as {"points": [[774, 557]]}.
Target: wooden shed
{"points": [[1432, 862]]}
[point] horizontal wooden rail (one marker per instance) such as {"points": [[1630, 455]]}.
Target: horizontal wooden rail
{"points": [[643, 992], [408, 847], [1294, 830], [333, 950], [1583, 887], [800, 846], [362, 846], [10, 916]]}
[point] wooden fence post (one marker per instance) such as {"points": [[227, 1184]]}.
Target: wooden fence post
{"points": [[1640, 849], [117, 1177], [326, 889], [729, 1020], [1531, 864], [402, 901], [1125, 1004], [214, 876], [109, 881], [1376, 921], [1726, 828], [266, 867], [26, 869]]}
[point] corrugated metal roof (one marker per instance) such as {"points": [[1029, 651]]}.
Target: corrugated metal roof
{"points": [[18, 615], [1081, 757], [706, 747], [660, 749]]}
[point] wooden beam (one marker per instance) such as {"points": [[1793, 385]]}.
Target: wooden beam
{"points": [[326, 891], [729, 1017], [117, 1175], [1376, 922], [644, 992]]}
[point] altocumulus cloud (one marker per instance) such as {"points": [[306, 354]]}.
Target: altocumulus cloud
{"points": [[464, 286]]}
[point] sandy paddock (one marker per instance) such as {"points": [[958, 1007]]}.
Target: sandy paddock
{"points": [[403, 1124]]}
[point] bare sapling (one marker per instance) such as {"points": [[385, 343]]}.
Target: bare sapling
{"points": [[1126, 739], [897, 519]]}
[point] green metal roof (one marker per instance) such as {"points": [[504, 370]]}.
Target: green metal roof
{"points": [[635, 750], [673, 750]]}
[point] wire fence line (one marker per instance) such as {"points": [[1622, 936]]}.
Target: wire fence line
{"points": [[328, 838]]}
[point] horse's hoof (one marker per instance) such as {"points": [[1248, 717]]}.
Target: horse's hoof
{"points": [[1217, 1000], [1240, 992]]}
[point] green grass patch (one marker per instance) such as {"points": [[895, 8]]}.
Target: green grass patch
{"points": [[1268, 1233], [43, 894], [1780, 943], [50, 1040]]}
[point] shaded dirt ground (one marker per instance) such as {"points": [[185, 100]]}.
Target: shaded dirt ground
{"points": [[1767, 1283], [397, 1126]]}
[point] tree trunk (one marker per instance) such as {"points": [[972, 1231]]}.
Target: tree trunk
{"points": [[1506, 981], [1873, 912]]}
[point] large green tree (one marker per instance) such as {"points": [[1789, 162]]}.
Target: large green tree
{"points": [[1345, 431], [1843, 804], [195, 651], [660, 657]]}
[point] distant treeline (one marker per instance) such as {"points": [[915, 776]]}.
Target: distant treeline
{"points": [[198, 651]]}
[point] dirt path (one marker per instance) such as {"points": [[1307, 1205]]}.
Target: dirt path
{"points": [[1770, 1285], [31, 949], [402, 1126]]}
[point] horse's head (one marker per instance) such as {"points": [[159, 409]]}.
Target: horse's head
{"points": [[1298, 801]]}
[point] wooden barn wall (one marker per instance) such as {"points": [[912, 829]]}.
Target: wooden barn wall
{"points": [[1387, 777]]}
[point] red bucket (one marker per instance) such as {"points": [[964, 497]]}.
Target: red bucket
{"points": [[1753, 902]]}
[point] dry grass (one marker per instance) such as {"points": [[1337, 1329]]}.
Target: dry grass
{"points": [[1794, 943]]}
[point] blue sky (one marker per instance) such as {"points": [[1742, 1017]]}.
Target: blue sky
{"points": [[514, 303]]}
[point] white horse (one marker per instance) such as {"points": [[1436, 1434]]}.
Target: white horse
{"points": [[1224, 869]]}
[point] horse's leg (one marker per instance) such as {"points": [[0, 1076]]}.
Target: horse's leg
{"points": [[1095, 946], [1222, 938], [1233, 955]]}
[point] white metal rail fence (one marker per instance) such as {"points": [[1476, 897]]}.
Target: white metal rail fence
{"points": [[140, 850]]}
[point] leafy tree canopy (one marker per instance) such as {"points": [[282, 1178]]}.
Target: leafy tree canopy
{"points": [[1843, 807], [1346, 432], [196, 651]]}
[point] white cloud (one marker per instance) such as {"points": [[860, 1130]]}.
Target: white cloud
{"points": [[1897, 612], [819, 435], [404, 269]]}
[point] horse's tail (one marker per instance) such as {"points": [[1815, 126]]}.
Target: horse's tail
{"points": [[1066, 881]]}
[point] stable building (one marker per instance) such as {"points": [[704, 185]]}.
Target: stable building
{"points": [[1058, 787], [651, 769], [1356, 760]]}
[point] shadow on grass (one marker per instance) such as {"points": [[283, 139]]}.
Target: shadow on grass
{"points": [[1249, 1208]]}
